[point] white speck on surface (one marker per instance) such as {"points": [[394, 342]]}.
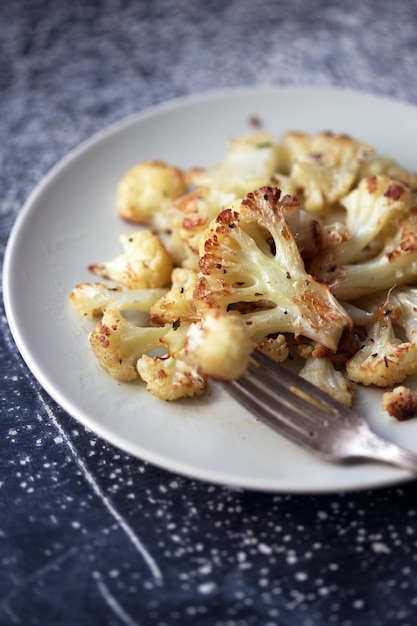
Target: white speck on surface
{"points": [[380, 548], [207, 588], [264, 549]]}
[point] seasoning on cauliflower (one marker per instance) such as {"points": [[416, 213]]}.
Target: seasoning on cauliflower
{"points": [[250, 264], [146, 189], [400, 403], [186, 220], [369, 208], [91, 299], [177, 303], [144, 264], [219, 347], [384, 360], [322, 373], [170, 377], [118, 344], [324, 165], [396, 264]]}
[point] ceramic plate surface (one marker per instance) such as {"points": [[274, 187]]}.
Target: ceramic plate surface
{"points": [[70, 221]]}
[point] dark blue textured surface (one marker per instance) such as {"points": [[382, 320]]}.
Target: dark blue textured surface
{"points": [[88, 535]]}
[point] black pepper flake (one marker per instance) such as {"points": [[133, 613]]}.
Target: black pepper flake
{"points": [[176, 324]]}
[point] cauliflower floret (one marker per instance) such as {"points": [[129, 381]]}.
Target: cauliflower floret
{"points": [[324, 165], [91, 299], [400, 403], [250, 162], [250, 264], [380, 164], [187, 219], [177, 302], [384, 360], [146, 189], [118, 343], [322, 373], [406, 299], [396, 264], [275, 347], [220, 347], [144, 264], [170, 377], [370, 206]]}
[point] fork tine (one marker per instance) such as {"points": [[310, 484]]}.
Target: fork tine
{"points": [[290, 395], [245, 392], [272, 369]]}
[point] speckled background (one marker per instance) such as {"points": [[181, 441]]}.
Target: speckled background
{"points": [[88, 535]]}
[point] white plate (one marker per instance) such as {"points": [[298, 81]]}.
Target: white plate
{"points": [[69, 222]]}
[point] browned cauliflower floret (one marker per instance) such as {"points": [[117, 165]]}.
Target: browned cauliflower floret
{"points": [[250, 264], [324, 165], [322, 373], [186, 220], [380, 164], [170, 377], [91, 299], [369, 208], [405, 298], [220, 346], [148, 188], [144, 264], [177, 303], [384, 360], [396, 264], [275, 347], [400, 403], [118, 343]]}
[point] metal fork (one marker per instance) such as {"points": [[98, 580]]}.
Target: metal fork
{"points": [[311, 418]]}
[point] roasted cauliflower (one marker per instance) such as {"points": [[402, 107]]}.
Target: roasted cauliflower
{"points": [[146, 189], [303, 248], [400, 403], [170, 376], [144, 264], [322, 373], [250, 266], [250, 162], [384, 360], [324, 165], [219, 347], [118, 344], [92, 299]]}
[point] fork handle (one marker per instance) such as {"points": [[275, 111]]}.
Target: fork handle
{"points": [[380, 449]]}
